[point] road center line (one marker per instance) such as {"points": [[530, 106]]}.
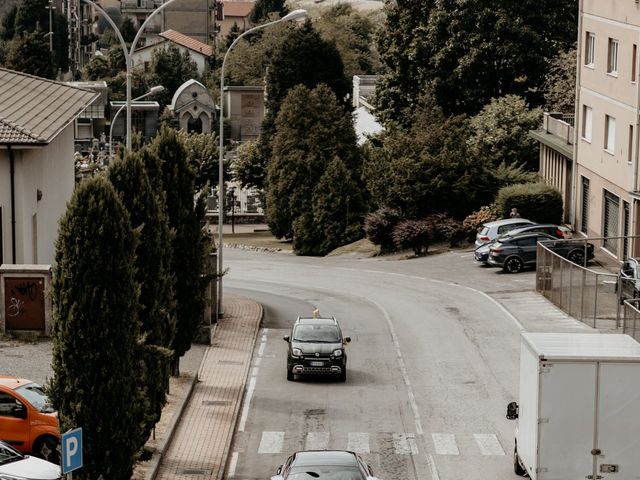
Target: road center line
{"points": [[232, 464], [246, 403]]}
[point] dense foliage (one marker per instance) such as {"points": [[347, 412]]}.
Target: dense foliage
{"points": [[264, 10], [96, 382], [560, 83], [536, 201], [379, 225]]}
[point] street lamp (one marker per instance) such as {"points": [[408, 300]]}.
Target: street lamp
{"points": [[295, 15], [128, 54], [152, 91]]}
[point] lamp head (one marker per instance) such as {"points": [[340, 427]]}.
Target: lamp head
{"points": [[156, 89], [295, 15]]}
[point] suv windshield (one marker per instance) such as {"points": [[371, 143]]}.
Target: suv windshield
{"points": [[316, 333], [35, 395]]}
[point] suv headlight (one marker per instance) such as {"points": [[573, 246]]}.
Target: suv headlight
{"points": [[296, 352], [337, 353]]}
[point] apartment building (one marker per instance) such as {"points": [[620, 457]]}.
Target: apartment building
{"points": [[605, 184]]}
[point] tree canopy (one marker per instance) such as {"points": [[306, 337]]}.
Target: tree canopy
{"points": [[264, 9]]}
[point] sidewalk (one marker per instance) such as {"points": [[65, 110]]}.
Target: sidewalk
{"points": [[198, 444]]}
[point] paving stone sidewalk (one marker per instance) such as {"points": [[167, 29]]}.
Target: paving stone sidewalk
{"points": [[199, 447]]}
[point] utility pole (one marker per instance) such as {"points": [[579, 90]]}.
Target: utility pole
{"points": [[51, 26]]}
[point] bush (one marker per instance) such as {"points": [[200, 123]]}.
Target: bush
{"points": [[475, 220], [379, 225], [414, 234], [536, 201], [444, 227]]}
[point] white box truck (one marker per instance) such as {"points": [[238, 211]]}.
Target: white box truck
{"points": [[579, 407]]}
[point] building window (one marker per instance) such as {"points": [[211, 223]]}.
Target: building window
{"points": [[590, 49], [630, 146], [609, 134], [634, 62], [587, 122], [584, 220], [612, 61], [610, 230]]}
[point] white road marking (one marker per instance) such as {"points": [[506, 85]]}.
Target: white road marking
{"points": [[232, 464], [488, 443], [358, 442], [271, 442], [432, 467], [445, 444], [254, 372], [405, 444], [258, 361], [317, 441], [261, 349], [246, 403]]}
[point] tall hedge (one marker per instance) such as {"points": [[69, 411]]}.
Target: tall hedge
{"points": [[536, 201], [96, 380]]}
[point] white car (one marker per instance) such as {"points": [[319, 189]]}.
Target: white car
{"points": [[16, 466], [324, 464], [492, 230]]}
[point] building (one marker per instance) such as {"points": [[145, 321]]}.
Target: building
{"points": [[605, 184], [37, 130], [364, 121], [244, 111], [234, 12], [144, 119], [556, 140], [198, 52], [194, 108]]}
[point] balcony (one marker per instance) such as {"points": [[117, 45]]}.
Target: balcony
{"points": [[139, 6], [560, 125]]}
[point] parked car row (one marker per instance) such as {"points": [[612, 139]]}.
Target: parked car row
{"points": [[512, 244]]}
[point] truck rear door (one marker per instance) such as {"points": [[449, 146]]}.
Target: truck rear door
{"points": [[618, 432], [567, 419]]}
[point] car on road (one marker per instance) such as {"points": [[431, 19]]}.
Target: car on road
{"points": [[629, 279], [513, 254], [17, 466], [316, 347], [481, 253], [28, 421], [492, 230], [324, 464]]}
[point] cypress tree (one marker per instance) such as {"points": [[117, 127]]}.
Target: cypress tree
{"points": [[153, 273], [95, 304], [188, 243]]}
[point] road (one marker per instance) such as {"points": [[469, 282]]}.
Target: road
{"points": [[431, 368]]}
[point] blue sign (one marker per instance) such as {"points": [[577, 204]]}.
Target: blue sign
{"points": [[72, 450]]}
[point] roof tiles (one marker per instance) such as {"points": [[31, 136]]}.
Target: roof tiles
{"points": [[187, 42]]}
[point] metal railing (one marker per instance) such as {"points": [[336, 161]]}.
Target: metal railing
{"points": [[587, 295], [560, 125], [631, 318]]}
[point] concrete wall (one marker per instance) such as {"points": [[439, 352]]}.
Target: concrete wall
{"points": [[244, 110]]}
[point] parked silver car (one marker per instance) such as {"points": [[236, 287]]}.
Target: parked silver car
{"points": [[492, 230]]}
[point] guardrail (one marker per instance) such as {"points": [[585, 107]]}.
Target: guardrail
{"points": [[631, 318]]}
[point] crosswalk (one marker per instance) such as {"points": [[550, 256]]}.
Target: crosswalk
{"points": [[485, 444]]}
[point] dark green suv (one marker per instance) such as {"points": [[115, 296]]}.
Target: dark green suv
{"points": [[316, 347]]}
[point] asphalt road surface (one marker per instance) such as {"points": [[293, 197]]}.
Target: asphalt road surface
{"points": [[432, 364]]}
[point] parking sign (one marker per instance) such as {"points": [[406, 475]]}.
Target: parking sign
{"points": [[71, 450]]}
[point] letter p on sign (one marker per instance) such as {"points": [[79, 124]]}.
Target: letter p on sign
{"points": [[72, 450]]}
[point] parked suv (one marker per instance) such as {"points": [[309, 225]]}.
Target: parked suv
{"points": [[629, 279], [492, 230], [16, 466], [512, 254], [316, 347], [27, 420], [481, 253]]}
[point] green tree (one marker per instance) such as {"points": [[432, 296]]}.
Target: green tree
{"points": [[234, 32], [60, 41], [560, 83], [263, 10], [353, 34], [427, 168], [128, 29], [95, 383], [114, 14], [246, 167], [202, 157], [171, 68], [7, 30], [312, 130], [188, 243], [32, 15], [29, 53], [500, 132], [303, 58], [153, 273]]}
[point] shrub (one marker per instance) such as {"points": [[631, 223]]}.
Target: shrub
{"points": [[379, 225], [414, 234], [443, 227], [474, 221], [536, 201]]}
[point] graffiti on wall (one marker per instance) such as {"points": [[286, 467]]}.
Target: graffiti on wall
{"points": [[24, 303]]}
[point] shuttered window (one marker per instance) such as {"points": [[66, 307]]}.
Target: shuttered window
{"points": [[611, 215], [625, 230], [584, 218]]}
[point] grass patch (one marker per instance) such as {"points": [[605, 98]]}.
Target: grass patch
{"points": [[262, 239]]}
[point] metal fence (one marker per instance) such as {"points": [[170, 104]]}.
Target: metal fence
{"points": [[631, 318], [587, 295]]}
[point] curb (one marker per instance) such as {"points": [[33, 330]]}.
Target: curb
{"points": [[156, 458]]}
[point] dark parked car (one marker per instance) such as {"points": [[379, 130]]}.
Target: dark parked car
{"points": [[513, 254], [629, 280], [481, 253], [327, 464], [316, 347]]}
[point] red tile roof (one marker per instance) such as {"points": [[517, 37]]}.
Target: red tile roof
{"points": [[188, 42], [237, 9]]}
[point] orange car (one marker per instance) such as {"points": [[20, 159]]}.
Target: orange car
{"points": [[27, 420]]}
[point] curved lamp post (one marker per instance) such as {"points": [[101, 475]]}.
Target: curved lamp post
{"points": [[128, 54], [295, 15], [152, 91]]}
